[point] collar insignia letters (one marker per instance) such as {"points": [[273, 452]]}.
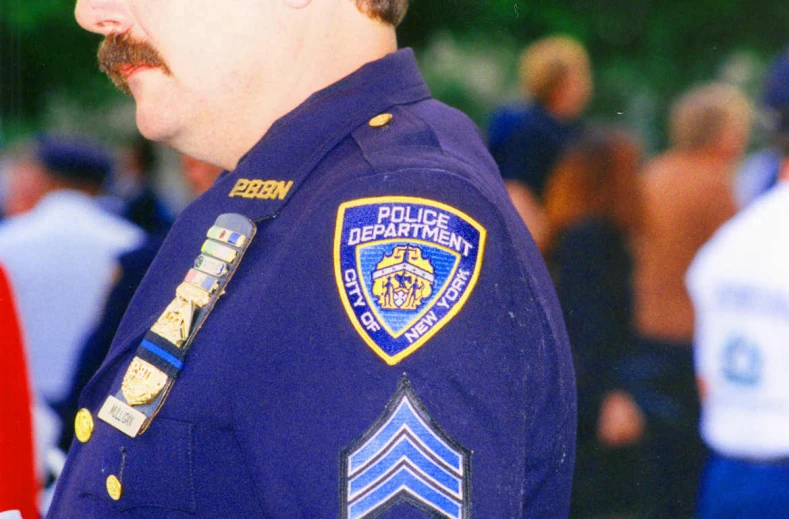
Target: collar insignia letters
{"points": [[261, 189]]}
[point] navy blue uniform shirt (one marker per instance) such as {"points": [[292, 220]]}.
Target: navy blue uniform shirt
{"points": [[389, 344]]}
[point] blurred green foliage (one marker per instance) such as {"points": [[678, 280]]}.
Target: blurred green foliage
{"points": [[644, 52]]}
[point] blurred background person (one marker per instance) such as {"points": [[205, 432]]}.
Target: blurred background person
{"points": [[19, 483], [760, 172], [132, 189], [198, 177], [739, 283], [593, 208], [61, 252], [687, 196], [528, 141]]}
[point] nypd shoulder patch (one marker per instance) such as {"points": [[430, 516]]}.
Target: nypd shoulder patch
{"points": [[404, 267], [405, 457]]}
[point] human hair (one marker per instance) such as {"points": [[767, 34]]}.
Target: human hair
{"points": [[701, 115], [545, 64], [389, 11], [597, 177]]}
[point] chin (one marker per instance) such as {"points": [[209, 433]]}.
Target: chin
{"points": [[154, 125]]}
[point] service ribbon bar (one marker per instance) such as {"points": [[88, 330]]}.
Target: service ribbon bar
{"points": [[161, 355], [220, 251], [211, 265], [227, 236]]}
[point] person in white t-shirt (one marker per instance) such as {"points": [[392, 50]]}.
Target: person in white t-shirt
{"points": [[60, 250], [739, 284]]}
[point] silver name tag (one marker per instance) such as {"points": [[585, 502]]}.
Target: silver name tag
{"points": [[122, 416]]}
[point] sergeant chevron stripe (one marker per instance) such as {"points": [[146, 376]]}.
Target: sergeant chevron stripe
{"points": [[405, 456]]}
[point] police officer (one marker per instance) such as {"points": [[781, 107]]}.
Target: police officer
{"points": [[352, 321], [739, 284], [528, 141]]}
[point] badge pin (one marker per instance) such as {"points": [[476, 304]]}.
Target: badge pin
{"points": [[142, 382], [161, 354], [175, 323]]}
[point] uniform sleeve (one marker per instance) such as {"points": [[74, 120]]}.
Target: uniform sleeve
{"points": [[494, 379]]}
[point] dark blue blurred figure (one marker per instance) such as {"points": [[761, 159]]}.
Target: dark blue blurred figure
{"points": [[593, 207], [527, 141], [760, 172], [134, 185]]}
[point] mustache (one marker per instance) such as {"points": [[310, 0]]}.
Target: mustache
{"points": [[120, 50]]}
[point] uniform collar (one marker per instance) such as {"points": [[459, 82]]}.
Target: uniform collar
{"points": [[297, 142]]}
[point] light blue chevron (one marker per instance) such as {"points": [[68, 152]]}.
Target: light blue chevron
{"points": [[406, 455], [405, 416], [404, 480], [402, 449]]}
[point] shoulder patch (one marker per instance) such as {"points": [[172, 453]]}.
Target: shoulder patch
{"points": [[405, 457], [404, 268]]}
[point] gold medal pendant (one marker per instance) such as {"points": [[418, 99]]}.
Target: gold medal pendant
{"points": [[142, 382], [176, 321]]}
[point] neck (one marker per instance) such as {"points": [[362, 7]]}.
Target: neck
{"points": [[561, 112], [332, 43]]}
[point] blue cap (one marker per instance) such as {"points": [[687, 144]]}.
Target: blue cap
{"points": [[74, 158]]}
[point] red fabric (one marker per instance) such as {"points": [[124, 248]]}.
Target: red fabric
{"points": [[18, 486]]}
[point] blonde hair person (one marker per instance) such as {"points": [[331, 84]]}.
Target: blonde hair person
{"points": [[556, 73], [687, 196], [556, 77], [711, 115]]}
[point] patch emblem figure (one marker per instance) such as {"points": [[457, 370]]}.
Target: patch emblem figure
{"points": [[404, 268], [405, 456]]}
